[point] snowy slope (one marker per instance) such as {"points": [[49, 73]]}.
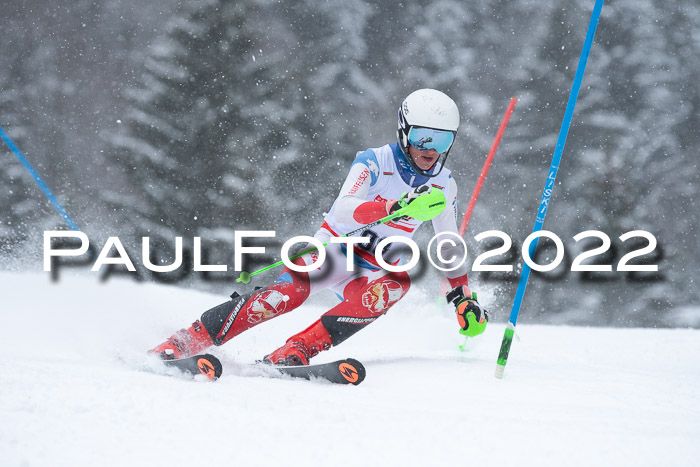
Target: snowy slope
{"points": [[70, 392]]}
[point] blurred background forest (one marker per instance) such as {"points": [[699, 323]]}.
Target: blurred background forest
{"points": [[201, 117]]}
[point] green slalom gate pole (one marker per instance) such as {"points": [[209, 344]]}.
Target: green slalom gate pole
{"points": [[423, 208], [548, 188]]}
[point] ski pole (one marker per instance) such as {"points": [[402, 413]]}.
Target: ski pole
{"points": [[548, 188], [39, 181], [423, 208]]}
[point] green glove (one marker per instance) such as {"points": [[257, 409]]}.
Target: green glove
{"points": [[472, 318], [408, 197]]}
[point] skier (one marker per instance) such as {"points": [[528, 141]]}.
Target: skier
{"points": [[380, 181]]}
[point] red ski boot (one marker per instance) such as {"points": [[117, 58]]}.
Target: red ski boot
{"points": [[300, 348], [184, 343]]}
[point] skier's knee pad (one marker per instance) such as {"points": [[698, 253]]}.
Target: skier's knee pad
{"points": [[365, 305], [229, 319], [382, 293], [218, 320]]}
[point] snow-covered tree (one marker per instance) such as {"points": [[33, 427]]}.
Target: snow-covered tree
{"points": [[334, 98], [22, 207], [192, 148]]}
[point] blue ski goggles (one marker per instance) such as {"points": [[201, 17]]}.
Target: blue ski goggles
{"points": [[427, 138]]}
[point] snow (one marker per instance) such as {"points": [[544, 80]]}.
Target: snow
{"points": [[72, 392]]}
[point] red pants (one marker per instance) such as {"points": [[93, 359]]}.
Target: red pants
{"points": [[366, 295]]}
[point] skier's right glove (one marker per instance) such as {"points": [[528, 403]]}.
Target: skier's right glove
{"points": [[471, 317], [408, 197]]}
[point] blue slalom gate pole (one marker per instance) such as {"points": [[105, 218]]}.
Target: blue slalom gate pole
{"points": [[39, 181], [548, 188]]}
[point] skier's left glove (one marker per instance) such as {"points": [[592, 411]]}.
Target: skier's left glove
{"points": [[471, 317]]}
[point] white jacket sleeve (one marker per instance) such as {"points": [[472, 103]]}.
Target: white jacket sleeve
{"points": [[353, 193]]}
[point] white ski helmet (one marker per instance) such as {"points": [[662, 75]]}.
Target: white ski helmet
{"points": [[424, 110]]}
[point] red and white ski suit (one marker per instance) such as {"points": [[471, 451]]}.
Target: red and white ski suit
{"points": [[377, 177]]}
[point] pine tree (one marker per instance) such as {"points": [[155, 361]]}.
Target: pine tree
{"points": [[633, 166], [333, 99], [22, 206], [193, 144]]}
